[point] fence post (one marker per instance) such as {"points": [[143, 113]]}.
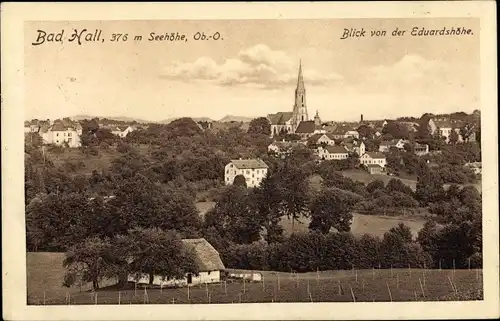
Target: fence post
{"points": [[43, 297], [340, 290], [119, 297], [95, 297], [352, 293], [391, 271], [373, 273], [397, 280], [225, 287], [389, 289], [421, 287]]}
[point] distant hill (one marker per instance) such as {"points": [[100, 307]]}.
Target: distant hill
{"points": [[197, 119], [230, 118], [124, 119]]}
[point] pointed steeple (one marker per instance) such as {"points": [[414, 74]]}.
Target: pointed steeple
{"points": [[300, 79]]}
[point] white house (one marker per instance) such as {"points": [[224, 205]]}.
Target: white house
{"points": [[421, 149], [332, 153], [122, 130], [62, 131], [207, 259], [369, 158], [254, 171]]}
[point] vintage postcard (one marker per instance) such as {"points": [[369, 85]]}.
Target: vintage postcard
{"points": [[249, 161]]}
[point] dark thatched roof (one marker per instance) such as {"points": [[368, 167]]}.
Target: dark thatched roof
{"points": [[207, 257]]}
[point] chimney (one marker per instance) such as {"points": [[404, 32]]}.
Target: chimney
{"points": [[361, 118]]}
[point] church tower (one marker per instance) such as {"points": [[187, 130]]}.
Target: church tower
{"points": [[300, 106]]}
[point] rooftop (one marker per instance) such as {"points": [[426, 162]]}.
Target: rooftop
{"points": [[375, 154], [207, 257], [249, 163]]}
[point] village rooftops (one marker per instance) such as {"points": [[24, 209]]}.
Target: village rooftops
{"points": [[391, 142], [248, 163], [375, 154], [207, 257]]}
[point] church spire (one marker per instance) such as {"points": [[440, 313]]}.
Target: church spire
{"points": [[300, 79]]}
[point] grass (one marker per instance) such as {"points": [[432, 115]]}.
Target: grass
{"points": [[365, 177], [361, 224], [324, 286]]}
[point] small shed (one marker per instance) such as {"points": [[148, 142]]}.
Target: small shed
{"points": [[374, 169]]}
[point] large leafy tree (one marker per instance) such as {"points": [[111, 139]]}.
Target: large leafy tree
{"points": [[153, 251], [233, 217], [332, 208], [91, 261], [260, 125]]}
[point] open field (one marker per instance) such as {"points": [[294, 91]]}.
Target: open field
{"points": [[99, 162], [323, 286], [361, 224], [375, 225], [365, 177]]}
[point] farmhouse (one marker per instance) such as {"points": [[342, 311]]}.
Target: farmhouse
{"points": [[254, 170], [370, 158], [207, 259]]}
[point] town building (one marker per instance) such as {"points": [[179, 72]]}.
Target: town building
{"points": [[374, 169], [332, 153], [371, 158], [290, 122], [207, 260], [34, 125], [253, 170], [385, 146], [355, 146], [343, 131], [421, 149], [321, 139], [61, 132]]}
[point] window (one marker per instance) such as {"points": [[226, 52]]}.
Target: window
{"points": [[57, 134], [208, 272], [69, 134], [69, 140]]}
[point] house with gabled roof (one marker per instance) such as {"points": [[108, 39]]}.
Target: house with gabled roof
{"points": [[332, 153], [61, 132], [253, 170], [373, 158], [321, 139], [122, 130], [208, 262]]}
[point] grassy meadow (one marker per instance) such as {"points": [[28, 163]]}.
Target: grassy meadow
{"points": [[45, 274]]}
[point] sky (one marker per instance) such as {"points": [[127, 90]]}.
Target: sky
{"points": [[251, 70]]}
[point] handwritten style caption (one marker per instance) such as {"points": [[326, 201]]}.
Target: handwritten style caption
{"points": [[97, 36], [413, 32]]}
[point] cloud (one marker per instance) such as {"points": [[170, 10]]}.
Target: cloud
{"points": [[258, 67]]}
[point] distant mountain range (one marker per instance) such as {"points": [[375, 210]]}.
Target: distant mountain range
{"points": [[124, 119], [225, 119]]}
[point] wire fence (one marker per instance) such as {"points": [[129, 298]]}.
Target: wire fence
{"points": [[332, 286]]}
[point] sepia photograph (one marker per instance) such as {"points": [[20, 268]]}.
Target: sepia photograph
{"points": [[232, 161]]}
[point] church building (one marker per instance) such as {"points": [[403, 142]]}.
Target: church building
{"points": [[290, 122]]}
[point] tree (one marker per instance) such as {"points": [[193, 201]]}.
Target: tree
{"points": [[396, 185], [240, 180], [233, 217], [332, 208], [91, 261], [266, 199], [260, 125], [375, 185], [453, 139], [294, 189], [156, 252]]}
